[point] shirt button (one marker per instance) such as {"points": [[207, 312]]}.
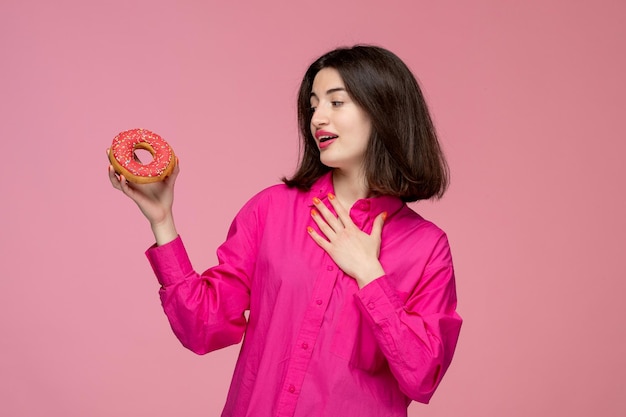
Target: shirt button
{"points": [[330, 267], [291, 389], [371, 306], [305, 345], [318, 302]]}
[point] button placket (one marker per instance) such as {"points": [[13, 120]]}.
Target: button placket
{"points": [[307, 335]]}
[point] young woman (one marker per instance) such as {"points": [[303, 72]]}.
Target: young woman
{"points": [[350, 293]]}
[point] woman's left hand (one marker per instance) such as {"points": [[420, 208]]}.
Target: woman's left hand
{"points": [[353, 250]]}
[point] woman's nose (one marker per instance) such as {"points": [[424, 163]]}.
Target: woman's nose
{"points": [[320, 118]]}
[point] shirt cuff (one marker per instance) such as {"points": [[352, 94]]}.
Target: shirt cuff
{"points": [[379, 299], [169, 262]]}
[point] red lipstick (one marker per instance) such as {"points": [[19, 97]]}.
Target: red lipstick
{"points": [[325, 138], [320, 133]]}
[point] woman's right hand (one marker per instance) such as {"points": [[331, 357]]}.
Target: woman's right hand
{"points": [[155, 200]]}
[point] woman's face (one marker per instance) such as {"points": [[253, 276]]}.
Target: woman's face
{"points": [[340, 127]]}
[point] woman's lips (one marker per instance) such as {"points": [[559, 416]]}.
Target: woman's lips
{"points": [[326, 143], [325, 138]]}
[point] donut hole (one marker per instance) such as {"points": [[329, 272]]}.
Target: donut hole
{"points": [[143, 155]]}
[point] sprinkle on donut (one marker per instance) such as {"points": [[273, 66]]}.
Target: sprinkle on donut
{"points": [[123, 159]]}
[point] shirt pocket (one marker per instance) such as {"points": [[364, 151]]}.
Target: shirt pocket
{"points": [[354, 341]]}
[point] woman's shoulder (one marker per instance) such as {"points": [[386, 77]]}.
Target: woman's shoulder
{"points": [[413, 224], [413, 234]]}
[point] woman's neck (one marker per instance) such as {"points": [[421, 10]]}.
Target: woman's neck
{"points": [[349, 188]]}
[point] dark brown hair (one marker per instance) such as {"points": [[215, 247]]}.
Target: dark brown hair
{"points": [[403, 157]]}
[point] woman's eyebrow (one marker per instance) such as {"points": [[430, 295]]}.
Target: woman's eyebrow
{"points": [[332, 90]]}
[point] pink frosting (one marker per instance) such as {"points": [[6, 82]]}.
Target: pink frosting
{"points": [[125, 143]]}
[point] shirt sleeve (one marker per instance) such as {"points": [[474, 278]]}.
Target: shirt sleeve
{"points": [[206, 311], [417, 335]]}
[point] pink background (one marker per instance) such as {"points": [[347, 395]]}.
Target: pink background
{"points": [[529, 99]]}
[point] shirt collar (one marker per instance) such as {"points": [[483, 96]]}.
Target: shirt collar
{"points": [[374, 205]]}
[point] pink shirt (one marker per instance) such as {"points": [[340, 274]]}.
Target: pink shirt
{"points": [[315, 344]]}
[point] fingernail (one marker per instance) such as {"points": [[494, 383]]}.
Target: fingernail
{"points": [[314, 212], [316, 200], [309, 229], [384, 215], [331, 196]]}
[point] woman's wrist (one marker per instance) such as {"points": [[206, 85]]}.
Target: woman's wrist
{"points": [[164, 231], [369, 274]]}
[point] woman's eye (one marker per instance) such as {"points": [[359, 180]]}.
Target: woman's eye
{"points": [[312, 109], [336, 103]]}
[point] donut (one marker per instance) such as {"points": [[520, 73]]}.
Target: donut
{"points": [[124, 162]]}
